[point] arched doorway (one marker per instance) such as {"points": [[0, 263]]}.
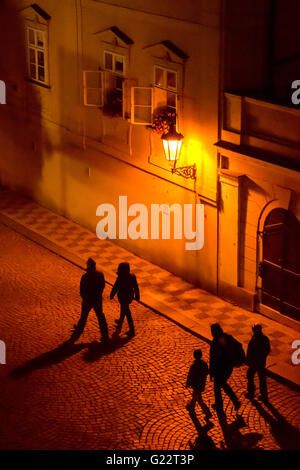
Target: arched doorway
{"points": [[281, 263]]}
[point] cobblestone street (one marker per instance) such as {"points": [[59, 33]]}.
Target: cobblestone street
{"points": [[129, 395]]}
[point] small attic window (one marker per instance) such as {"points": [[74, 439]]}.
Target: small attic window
{"points": [[37, 30], [37, 49]]}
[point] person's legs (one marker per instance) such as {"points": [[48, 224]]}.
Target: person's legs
{"points": [[122, 316], [203, 405], [230, 393], [85, 309], [218, 395], [192, 403], [251, 386], [101, 321], [129, 320], [263, 383]]}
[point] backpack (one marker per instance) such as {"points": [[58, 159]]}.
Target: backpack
{"points": [[236, 353]]}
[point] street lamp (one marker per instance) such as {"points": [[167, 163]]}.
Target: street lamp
{"points": [[172, 142]]}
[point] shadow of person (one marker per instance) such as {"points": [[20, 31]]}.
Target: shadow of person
{"points": [[233, 437], [97, 350], [285, 434], [203, 441], [60, 353]]}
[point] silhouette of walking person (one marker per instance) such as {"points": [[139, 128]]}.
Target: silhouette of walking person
{"points": [[221, 365], [196, 380], [127, 288], [257, 352], [91, 288]]}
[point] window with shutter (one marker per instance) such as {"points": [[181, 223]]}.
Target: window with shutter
{"points": [[93, 88], [141, 105], [166, 89]]}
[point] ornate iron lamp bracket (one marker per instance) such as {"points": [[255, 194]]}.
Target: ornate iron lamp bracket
{"points": [[188, 172]]}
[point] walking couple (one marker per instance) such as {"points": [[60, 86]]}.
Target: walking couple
{"points": [[92, 285]]}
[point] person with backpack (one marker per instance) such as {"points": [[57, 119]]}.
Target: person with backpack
{"points": [[257, 352], [225, 353], [92, 284], [127, 288], [196, 380]]}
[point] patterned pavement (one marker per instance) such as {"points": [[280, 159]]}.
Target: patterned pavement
{"points": [[129, 395], [168, 294]]}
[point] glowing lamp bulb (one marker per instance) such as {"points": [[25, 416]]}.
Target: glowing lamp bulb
{"points": [[172, 142]]}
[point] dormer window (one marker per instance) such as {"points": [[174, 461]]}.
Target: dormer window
{"points": [[37, 55], [36, 22], [114, 64], [166, 79], [109, 87], [167, 85]]}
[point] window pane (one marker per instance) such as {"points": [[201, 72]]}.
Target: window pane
{"points": [[108, 61], [142, 114], [119, 83], [41, 72], [32, 56], [32, 71], [93, 97], [159, 77], [171, 80], [119, 64], [40, 38], [41, 58], [171, 100], [142, 97], [31, 36]]}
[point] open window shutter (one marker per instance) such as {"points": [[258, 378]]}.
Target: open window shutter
{"points": [[93, 88], [178, 112], [128, 83], [108, 84], [141, 105]]}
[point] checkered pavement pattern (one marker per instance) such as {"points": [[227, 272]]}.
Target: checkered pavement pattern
{"points": [[188, 305]]}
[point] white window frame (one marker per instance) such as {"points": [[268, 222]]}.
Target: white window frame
{"points": [[86, 88], [115, 56], [134, 105], [164, 86], [113, 74], [37, 49]]}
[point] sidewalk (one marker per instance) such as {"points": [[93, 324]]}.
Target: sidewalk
{"points": [[192, 308]]}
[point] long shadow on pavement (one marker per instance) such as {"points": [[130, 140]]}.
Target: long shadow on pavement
{"points": [[234, 439], [62, 352], [97, 350], [68, 349], [285, 434], [203, 441]]}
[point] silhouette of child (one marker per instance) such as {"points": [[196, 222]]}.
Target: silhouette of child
{"points": [[196, 380]]}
